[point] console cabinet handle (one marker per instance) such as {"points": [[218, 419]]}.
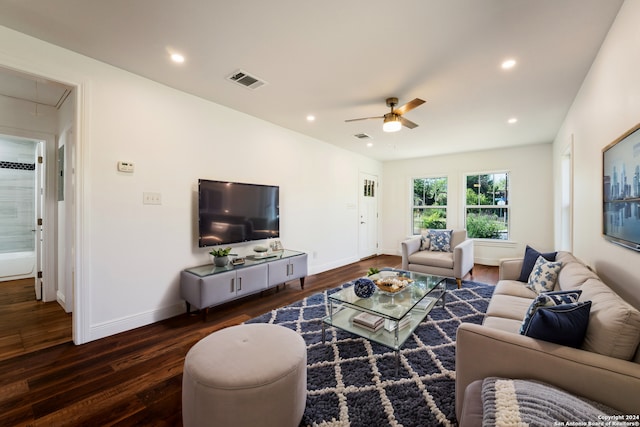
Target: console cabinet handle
{"points": [[239, 283], [232, 285]]}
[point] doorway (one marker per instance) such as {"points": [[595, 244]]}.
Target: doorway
{"points": [[20, 235], [368, 216], [32, 112]]}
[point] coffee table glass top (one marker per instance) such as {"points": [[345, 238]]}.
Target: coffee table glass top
{"points": [[401, 312], [391, 306]]}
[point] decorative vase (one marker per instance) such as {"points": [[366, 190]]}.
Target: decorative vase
{"points": [[364, 287], [220, 261]]}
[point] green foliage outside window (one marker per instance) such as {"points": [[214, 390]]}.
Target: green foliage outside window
{"points": [[481, 226], [435, 218], [487, 206], [429, 203]]}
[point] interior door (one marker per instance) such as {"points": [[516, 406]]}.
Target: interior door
{"points": [[368, 216], [38, 224]]}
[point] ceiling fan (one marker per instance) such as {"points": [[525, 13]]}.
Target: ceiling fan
{"points": [[393, 120]]}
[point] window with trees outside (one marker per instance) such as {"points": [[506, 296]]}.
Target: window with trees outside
{"points": [[487, 206], [429, 203]]}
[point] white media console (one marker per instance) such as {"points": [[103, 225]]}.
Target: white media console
{"points": [[207, 285]]}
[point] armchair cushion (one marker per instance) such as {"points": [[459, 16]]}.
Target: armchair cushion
{"points": [[432, 258]]}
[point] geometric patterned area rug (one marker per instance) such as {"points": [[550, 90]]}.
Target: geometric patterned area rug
{"points": [[352, 381]]}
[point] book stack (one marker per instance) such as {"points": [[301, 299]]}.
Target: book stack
{"points": [[368, 321], [391, 325]]}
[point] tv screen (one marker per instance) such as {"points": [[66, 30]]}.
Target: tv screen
{"points": [[621, 190], [232, 212]]}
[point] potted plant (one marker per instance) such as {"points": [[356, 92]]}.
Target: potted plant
{"points": [[220, 256]]}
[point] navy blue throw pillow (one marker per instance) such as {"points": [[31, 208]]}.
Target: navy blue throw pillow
{"points": [[530, 258], [561, 324]]}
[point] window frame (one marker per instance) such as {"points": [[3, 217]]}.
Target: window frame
{"points": [[425, 207], [506, 206]]}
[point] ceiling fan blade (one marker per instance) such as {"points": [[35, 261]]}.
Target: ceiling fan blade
{"points": [[364, 118], [409, 106], [407, 123]]}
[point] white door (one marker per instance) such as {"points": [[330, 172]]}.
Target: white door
{"points": [[39, 190], [368, 215]]}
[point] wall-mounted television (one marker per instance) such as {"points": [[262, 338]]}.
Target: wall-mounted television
{"points": [[621, 190], [233, 212]]}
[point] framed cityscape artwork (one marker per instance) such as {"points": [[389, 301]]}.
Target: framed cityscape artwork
{"points": [[621, 190]]}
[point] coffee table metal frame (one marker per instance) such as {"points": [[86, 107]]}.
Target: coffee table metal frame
{"points": [[344, 305]]}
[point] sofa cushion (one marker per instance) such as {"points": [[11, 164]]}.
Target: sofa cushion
{"points": [[564, 324], [514, 288], [614, 326], [440, 240], [509, 307], [529, 261], [544, 275], [433, 259], [549, 299], [573, 273]]}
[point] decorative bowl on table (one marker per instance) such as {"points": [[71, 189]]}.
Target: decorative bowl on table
{"points": [[390, 282], [364, 287]]}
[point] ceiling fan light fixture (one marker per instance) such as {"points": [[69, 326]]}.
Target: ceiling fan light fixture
{"points": [[391, 123]]}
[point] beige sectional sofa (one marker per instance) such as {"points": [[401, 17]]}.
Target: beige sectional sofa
{"points": [[605, 369]]}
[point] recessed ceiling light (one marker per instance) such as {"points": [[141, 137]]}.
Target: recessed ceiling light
{"points": [[176, 57], [508, 64], [369, 144], [512, 120], [311, 118]]}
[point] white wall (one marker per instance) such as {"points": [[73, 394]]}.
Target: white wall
{"points": [[531, 197], [129, 254], [607, 105]]}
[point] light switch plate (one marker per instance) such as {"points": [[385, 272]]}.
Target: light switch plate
{"points": [[149, 198]]}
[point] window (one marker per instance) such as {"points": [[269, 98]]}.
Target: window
{"points": [[487, 206], [429, 203]]}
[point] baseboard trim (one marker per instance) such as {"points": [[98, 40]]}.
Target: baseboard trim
{"points": [[102, 330]]}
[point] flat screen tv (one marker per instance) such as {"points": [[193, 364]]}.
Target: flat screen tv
{"points": [[621, 190], [233, 212]]}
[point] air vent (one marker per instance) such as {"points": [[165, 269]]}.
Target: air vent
{"points": [[245, 79], [362, 136]]}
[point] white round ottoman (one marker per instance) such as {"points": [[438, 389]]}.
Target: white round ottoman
{"points": [[246, 375]]}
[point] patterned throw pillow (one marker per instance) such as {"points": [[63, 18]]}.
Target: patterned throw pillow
{"points": [[425, 242], [549, 299], [544, 275], [440, 240]]}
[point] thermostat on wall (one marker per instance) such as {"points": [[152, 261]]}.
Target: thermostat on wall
{"points": [[125, 167]]}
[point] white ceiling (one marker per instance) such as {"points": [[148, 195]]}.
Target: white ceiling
{"points": [[340, 60]]}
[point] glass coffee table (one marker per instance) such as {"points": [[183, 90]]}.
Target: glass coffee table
{"points": [[406, 309]]}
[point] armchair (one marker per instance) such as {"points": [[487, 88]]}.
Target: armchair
{"points": [[456, 263]]}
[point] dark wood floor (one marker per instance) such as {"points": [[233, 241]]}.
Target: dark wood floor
{"points": [[135, 378], [27, 325]]}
